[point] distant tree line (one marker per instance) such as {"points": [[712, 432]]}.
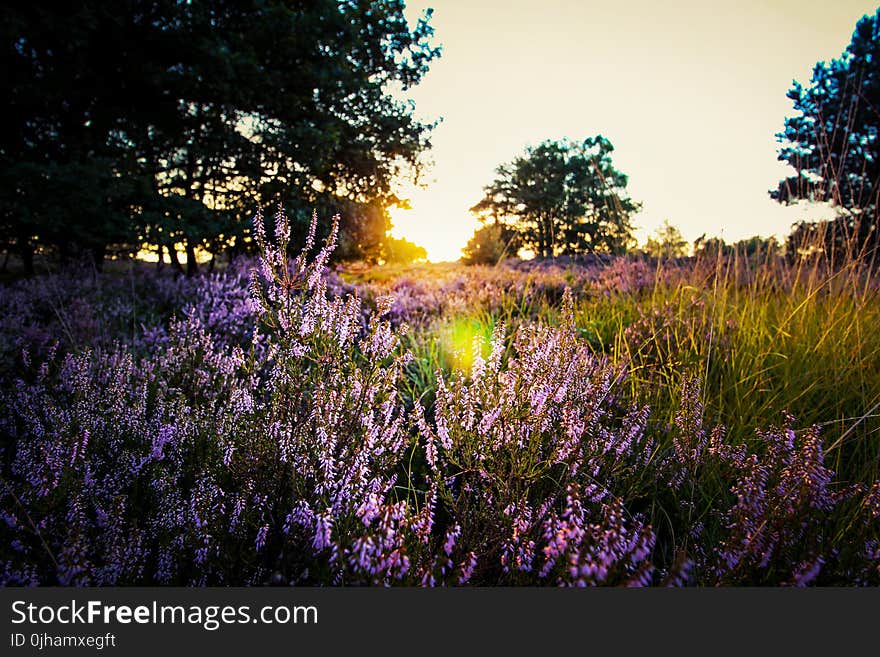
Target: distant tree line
{"points": [[564, 198], [164, 123], [666, 242]]}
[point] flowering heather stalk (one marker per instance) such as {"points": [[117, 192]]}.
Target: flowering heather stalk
{"points": [[783, 497], [201, 465], [336, 426], [778, 528], [527, 457]]}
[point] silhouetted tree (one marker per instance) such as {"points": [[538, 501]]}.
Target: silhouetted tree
{"points": [[176, 119], [490, 244], [711, 247], [563, 197], [757, 247], [402, 251]]}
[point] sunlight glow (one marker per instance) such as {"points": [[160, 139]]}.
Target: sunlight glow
{"points": [[690, 93], [461, 339], [437, 222], [149, 254]]}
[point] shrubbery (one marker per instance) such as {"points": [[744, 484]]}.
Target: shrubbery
{"points": [[270, 433]]}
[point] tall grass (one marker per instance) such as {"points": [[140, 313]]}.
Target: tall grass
{"points": [[767, 337]]}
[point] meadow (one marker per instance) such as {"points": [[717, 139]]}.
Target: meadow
{"points": [[625, 421]]}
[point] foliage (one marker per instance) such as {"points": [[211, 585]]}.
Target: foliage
{"points": [[758, 248], [711, 247], [563, 197], [666, 242], [490, 244], [755, 249], [835, 241], [832, 142], [161, 122], [402, 251]]}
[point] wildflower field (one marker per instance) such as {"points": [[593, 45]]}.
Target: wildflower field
{"points": [[616, 421]]}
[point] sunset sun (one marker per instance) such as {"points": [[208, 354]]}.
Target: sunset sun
{"points": [[441, 229]]}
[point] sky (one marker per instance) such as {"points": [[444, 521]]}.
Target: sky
{"points": [[691, 94]]}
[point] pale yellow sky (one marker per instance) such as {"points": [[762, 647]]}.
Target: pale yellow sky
{"points": [[690, 93]]}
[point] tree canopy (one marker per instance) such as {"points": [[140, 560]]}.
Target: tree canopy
{"points": [[166, 122], [401, 251], [832, 141], [667, 242], [491, 244], [563, 197]]}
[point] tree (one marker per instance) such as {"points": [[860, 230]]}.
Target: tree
{"points": [[832, 142], [809, 240], [198, 112], [562, 197], [758, 248], [711, 248], [666, 242], [491, 244], [402, 251]]}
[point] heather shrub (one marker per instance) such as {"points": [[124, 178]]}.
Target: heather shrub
{"points": [[530, 460], [205, 465], [117, 466], [276, 423], [335, 428], [767, 512], [77, 309]]}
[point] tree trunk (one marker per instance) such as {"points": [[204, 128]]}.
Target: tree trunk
{"points": [[174, 257], [26, 252], [98, 254], [545, 239], [192, 267]]}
